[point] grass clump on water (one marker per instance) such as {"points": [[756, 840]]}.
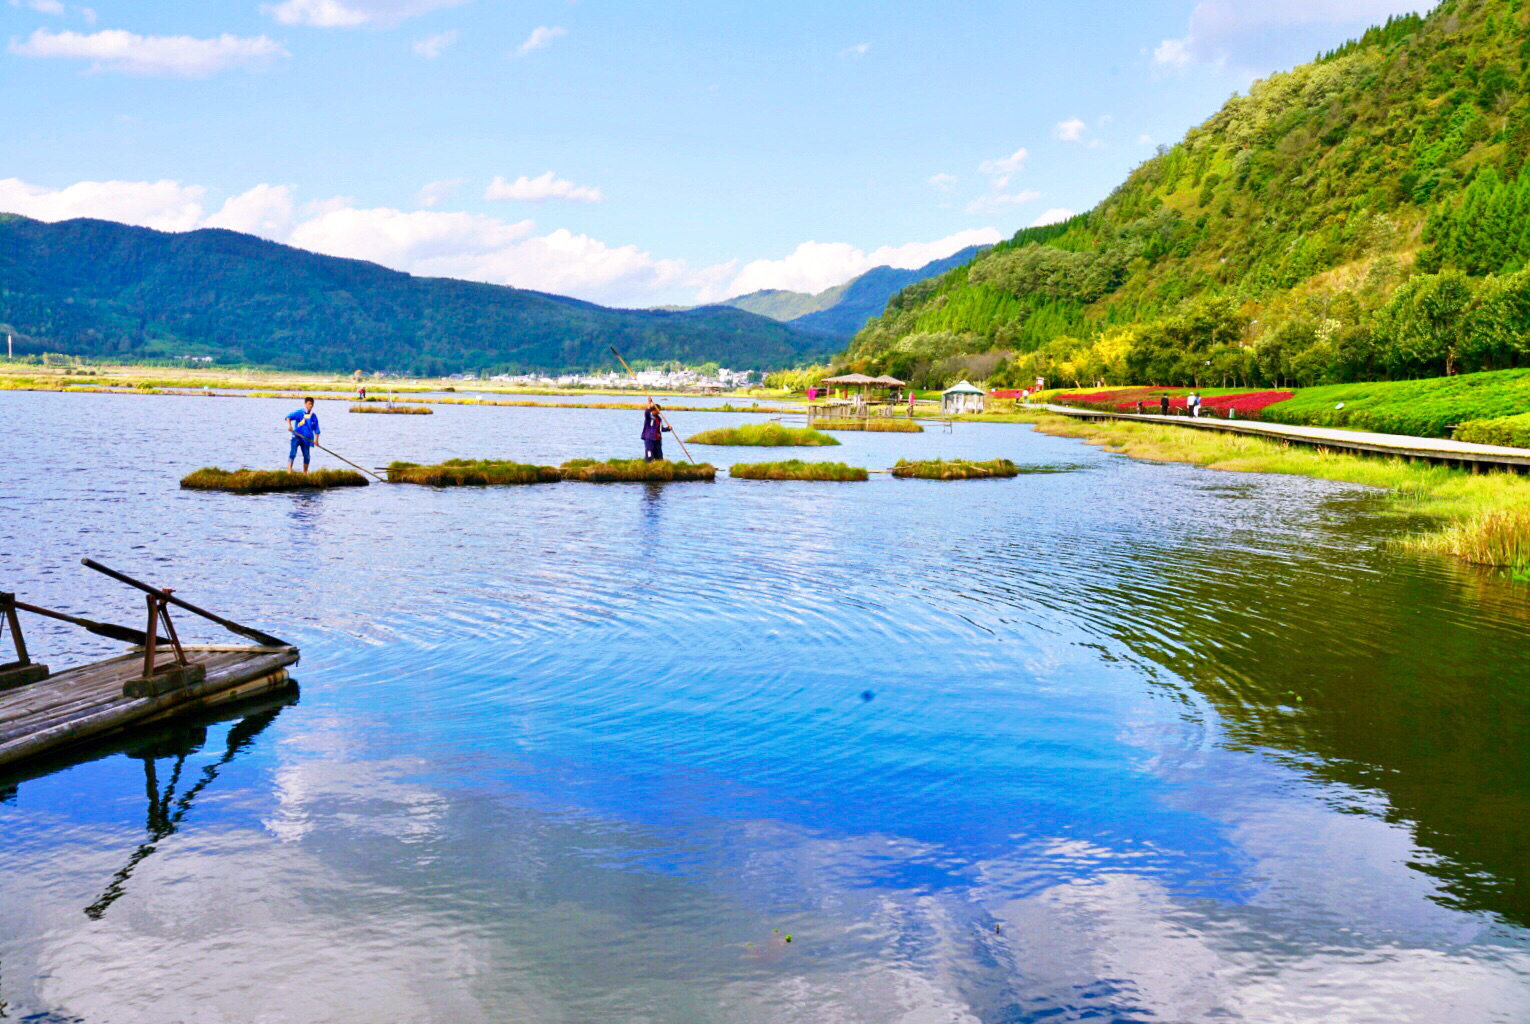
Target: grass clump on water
{"points": [[765, 435], [872, 426], [397, 410], [263, 481], [471, 473], [612, 471], [956, 469], [796, 469]]}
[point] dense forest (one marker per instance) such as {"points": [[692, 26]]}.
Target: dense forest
{"points": [[109, 291], [1362, 217]]}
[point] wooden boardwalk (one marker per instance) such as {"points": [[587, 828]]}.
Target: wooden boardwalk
{"points": [[87, 703], [1463, 454]]}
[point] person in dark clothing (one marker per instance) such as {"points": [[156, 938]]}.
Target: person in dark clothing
{"points": [[1163, 405], [653, 434]]}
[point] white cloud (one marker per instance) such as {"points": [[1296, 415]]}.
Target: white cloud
{"points": [[540, 189], [431, 47], [89, 14], [1144, 139], [265, 210], [433, 193], [1172, 53], [814, 266], [1244, 33], [541, 36], [1072, 130], [1001, 200], [943, 181], [1004, 168], [166, 205], [1056, 216], [352, 13], [858, 50], [55, 7], [116, 50]]}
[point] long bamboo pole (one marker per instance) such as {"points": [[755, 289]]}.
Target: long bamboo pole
{"points": [[651, 402]]}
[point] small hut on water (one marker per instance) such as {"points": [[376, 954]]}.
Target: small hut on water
{"points": [[855, 396], [963, 398]]}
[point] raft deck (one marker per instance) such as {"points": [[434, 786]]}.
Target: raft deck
{"points": [[87, 703]]}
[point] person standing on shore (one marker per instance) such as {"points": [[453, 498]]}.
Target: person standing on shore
{"points": [[303, 425], [1163, 405], [653, 433]]}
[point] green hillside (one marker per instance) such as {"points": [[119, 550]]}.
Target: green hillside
{"points": [[103, 290], [1362, 217]]}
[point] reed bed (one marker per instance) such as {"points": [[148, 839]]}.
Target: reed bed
{"points": [[765, 435], [592, 471], [471, 473], [397, 410], [263, 481], [872, 426], [956, 469], [796, 469]]}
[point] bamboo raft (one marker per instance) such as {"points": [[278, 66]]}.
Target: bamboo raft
{"points": [[160, 678]]}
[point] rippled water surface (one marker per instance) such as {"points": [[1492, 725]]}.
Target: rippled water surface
{"points": [[1126, 742]]}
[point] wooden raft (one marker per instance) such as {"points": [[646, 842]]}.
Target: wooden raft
{"points": [[87, 703]]}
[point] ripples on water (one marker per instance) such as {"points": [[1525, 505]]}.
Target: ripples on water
{"points": [[1127, 742]]}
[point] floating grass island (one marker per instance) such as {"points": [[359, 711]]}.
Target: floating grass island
{"points": [[796, 469], [873, 426], [612, 471], [397, 410], [765, 435], [957, 469], [262, 481], [471, 473]]}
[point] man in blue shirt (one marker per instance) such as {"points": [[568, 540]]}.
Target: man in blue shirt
{"points": [[303, 425]]}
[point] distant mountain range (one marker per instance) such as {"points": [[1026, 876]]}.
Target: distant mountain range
{"points": [[100, 289], [844, 309]]}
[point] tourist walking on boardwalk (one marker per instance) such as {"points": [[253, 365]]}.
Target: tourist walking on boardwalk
{"points": [[1195, 405], [1163, 405], [303, 425], [653, 434]]}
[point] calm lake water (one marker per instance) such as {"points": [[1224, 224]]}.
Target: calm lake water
{"points": [[1116, 742]]}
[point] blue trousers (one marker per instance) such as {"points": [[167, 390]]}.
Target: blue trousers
{"points": [[298, 442]]}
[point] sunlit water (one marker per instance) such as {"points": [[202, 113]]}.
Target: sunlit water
{"points": [[1124, 742]]}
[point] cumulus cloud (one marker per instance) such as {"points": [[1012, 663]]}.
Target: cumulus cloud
{"points": [[541, 36], [858, 50], [540, 189], [433, 193], [814, 266], [186, 56], [431, 47], [1056, 216], [165, 205], [1235, 31], [352, 13], [1001, 170], [1071, 130], [943, 181], [1002, 200], [265, 210]]}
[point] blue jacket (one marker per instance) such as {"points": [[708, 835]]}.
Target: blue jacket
{"points": [[304, 424]]}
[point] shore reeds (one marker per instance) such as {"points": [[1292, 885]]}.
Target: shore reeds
{"points": [[765, 435], [879, 426], [262, 481], [796, 469], [404, 410], [611, 471], [471, 473], [956, 469]]}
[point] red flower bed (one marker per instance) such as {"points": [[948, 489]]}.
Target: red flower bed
{"points": [[1112, 397], [1249, 405]]}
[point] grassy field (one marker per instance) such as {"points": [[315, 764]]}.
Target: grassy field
{"points": [[796, 469], [764, 435], [956, 469], [471, 473], [260, 481]]}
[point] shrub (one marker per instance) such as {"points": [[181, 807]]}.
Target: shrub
{"points": [[957, 469], [1510, 431], [471, 473], [764, 435], [796, 469], [261, 481], [635, 471]]}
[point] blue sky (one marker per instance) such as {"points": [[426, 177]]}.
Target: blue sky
{"points": [[629, 154]]}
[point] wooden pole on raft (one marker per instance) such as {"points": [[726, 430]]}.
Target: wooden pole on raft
{"points": [[662, 420], [347, 461], [233, 627]]}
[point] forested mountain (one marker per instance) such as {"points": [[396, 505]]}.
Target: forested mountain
{"points": [[845, 309], [1365, 216], [96, 288]]}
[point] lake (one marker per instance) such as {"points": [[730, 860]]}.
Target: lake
{"points": [[1112, 741]]}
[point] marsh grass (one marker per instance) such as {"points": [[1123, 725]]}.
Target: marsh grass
{"points": [[261, 481], [471, 473], [957, 469], [872, 426], [765, 435], [1482, 518], [796, 469], [612, 471], [405, 410]]}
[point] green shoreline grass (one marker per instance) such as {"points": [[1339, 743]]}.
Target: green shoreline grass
{"points": [[613, 471], [956, 469], [261, 481], [879, 426], [471, 473], [764, 435], [796, 469], [397, 410]]}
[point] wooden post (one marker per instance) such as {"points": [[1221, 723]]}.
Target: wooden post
{"points": [[21, 671]]}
